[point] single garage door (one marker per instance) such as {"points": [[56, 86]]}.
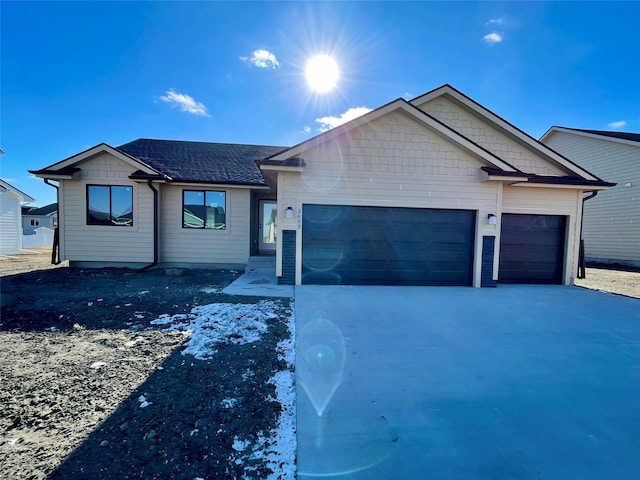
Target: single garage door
{"points": [[531, 249], [349, 245]]}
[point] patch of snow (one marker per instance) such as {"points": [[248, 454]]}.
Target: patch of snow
{"points": [[53, 329], [163, 319], [143, 401], [131, 343], [97, 365], [229, 402], [194, 431], [211, 290], [208, 325], [127, 304], [13, 441], [247, 374], [89, 304], [139, 314], [144, 292], [240, 445]]}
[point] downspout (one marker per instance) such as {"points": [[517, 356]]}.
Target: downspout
{"points": [[55, 250], [155, 228], [582, 271]]}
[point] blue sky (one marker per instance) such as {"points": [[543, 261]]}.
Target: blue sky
{"points": [[75, 74]]}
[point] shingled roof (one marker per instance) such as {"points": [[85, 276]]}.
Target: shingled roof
{"points": [[46, 210], [193, 162], [633, 137]]}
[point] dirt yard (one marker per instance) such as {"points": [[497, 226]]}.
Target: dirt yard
{"points": [[89, 388]]}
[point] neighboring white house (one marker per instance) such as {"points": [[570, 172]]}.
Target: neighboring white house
{"points": [[35, 217], [436, 191], [611, 225], [11, 200]]}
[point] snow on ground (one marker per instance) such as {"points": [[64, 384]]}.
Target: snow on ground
{"points": [[208, 325]]}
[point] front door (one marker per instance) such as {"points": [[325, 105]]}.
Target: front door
{"points": [[268, 226]]}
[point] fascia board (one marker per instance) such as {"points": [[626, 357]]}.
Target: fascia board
{"points": [[588, 135], [586, 188]]}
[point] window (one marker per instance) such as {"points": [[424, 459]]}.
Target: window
{"points": [[110, 205], [35, 223], [204, 209]]}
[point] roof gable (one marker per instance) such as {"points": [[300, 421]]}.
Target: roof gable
{"points": [[543, 152], [67, 167], [627, 138], [7, 187], [398, 105]]}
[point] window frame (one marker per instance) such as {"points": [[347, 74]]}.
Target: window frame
{"points": [[110, 187], [204, 199]]}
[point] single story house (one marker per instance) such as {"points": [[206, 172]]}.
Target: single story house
{"points": [[438, 190], [611, 222], [34, 217], [11, 200]]}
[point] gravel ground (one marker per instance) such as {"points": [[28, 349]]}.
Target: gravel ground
{"points": [[79, 357]]}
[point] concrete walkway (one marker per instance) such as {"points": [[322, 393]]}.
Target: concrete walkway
{"points": [[461, 383], [259, 280]]}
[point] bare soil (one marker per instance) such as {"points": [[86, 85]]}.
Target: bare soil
{"points": [[76, 353]]}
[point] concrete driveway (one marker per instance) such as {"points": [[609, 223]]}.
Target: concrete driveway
{"points": [[446, 383]]}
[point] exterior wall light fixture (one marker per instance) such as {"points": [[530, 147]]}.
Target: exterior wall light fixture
{"points": [[288, 213], [492, 219]]}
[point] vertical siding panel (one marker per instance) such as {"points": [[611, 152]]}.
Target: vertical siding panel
{"points": [[10, 231]]}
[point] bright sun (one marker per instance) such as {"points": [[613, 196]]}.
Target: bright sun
{"points": [[322, 73]]}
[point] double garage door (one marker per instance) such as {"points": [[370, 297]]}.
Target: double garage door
{"points": [[355, 245]]}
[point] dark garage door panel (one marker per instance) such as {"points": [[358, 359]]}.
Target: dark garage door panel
{"points": [[387, 246], [532, 248]]}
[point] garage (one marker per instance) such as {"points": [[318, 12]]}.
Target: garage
{"points": [[532, 249], [358, 245]]}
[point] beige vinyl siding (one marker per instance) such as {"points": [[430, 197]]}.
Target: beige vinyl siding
{"points": [[10, 231], [394, 162], [504, 147], [611, 219], [102, 243], [185, 245], [549, 201]]}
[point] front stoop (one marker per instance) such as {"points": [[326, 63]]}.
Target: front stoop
{"points": [[261, 264]]}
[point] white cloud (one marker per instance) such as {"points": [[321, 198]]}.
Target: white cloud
{"points": [[327, 123], [496, 21], [492, 38], [306, 129], [185, 103], [262, 58], [618, 124]]}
